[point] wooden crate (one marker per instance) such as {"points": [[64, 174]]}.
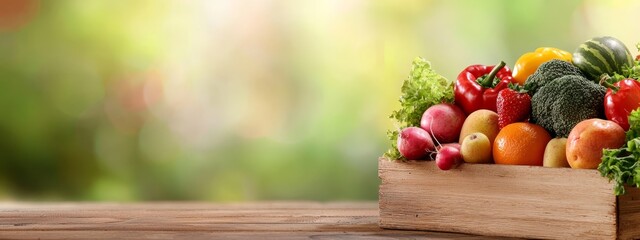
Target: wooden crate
{"points": [[501, 200]]}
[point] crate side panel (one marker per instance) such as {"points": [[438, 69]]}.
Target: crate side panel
{"points": [[629, 214]]}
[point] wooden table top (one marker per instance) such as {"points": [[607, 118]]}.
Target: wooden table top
{"points": [[188, 220]]}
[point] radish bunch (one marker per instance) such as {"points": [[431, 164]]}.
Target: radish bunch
{"points": [[441, 124]]}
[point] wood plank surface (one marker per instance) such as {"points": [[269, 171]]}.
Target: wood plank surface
{"points": [[270, 220], [518, 201]]}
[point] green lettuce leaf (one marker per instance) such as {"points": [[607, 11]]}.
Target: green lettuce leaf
{"points": [[622, 165]]}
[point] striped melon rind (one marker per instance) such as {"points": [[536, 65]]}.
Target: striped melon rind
{"points": [[602, 55]]}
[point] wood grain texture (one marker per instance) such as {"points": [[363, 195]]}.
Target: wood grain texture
{"points": [[629, 214], [276, 220], [517, 201]]}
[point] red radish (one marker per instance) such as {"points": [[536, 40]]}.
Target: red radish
{"points": [[454, 144], [433, 155], [444, 122], [448, 157], [414, 143]]}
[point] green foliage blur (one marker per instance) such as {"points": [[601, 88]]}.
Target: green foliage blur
{"points": [[121, 100]]}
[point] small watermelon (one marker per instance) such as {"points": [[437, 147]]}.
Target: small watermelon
{"points": [[602, 55]]}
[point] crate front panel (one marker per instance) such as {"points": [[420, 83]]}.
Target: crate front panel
{"points": [[497, 200]]}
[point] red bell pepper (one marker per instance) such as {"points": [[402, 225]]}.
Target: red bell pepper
{"points": [[622, 97], [477, 86]]}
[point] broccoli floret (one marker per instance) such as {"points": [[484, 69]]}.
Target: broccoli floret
{"points": [[548, 72], [564, 102]]}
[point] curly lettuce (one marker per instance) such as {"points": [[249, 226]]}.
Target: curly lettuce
{"points": [[421, 90], [622, 165]]}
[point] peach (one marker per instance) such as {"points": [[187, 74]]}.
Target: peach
{"points": [[588, 138], [482, 121]]}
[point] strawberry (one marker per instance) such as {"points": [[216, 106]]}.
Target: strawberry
{"points": [[513, 106]]}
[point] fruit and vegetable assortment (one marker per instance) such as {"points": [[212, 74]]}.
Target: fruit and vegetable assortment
{"points": [[555, 109]]}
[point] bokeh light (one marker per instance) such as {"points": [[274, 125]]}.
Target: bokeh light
{"points": [[14, 14], [240, 100]]}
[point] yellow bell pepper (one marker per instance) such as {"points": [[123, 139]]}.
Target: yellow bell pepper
{"points": [[529, 62]]}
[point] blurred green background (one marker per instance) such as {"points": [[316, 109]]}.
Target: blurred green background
{"points": [[124, 100]]}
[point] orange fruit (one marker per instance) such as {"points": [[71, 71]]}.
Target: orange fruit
{"points": [[520, 144]]}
